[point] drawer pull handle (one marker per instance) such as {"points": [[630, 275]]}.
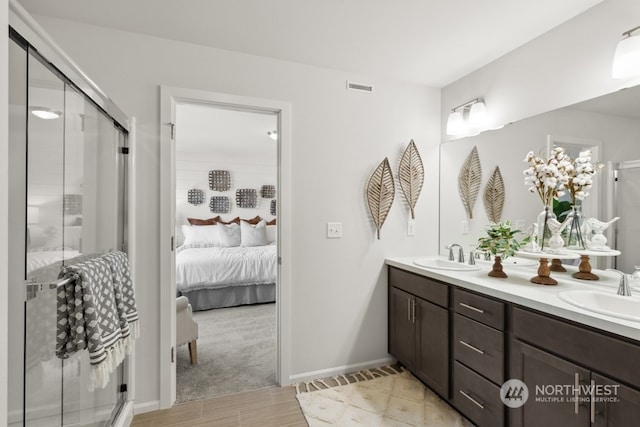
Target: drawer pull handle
{"points": [[478, 404], [470, 307], [474, 348]]}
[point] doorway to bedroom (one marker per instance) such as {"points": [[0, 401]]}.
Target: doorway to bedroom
{"points": [[226, 173]]}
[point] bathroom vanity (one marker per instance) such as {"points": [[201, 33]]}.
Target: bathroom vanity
{"points": [[464, 334]]}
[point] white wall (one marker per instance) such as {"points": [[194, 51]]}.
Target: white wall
{"points": [[568, 64], [4, 214], [246, 172], [339, 286]]}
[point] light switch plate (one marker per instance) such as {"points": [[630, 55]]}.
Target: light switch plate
{"points": [[464, 227], [520, 224], [334, 230]]}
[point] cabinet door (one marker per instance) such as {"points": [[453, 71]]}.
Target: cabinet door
{"points": [[402, 328], [433, 346], [555, 405], [614, 405]]}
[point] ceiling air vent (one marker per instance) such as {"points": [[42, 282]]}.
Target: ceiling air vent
{"points": [[359, 87]]}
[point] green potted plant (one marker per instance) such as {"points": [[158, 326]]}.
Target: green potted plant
{"points": [[501, 243]]}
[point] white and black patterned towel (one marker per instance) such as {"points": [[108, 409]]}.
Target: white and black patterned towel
{"points": [[92, 314], [125, 296]]}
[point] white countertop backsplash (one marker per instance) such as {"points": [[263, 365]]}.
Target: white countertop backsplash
{"points": [[519, 290]]}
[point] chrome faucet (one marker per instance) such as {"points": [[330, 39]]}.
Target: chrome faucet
{"points": [[472, 257], [623, 287], [460, 252]]}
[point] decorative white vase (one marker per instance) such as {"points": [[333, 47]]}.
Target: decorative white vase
{"points": [[556, 242], [598, 240]]}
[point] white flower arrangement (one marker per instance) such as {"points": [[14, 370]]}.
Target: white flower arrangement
{"points": [[581, 176], [550, 178]]}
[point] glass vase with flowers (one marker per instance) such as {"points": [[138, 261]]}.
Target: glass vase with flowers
{"points": [[548, 179]]}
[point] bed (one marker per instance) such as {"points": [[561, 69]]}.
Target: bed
{"points": [[227, 265]]}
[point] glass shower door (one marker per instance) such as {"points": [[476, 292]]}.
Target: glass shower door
{"points": [[45, 246], [627, 234], [66, 153], [91, 226]]}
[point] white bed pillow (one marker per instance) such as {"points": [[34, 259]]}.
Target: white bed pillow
{"points": [[253, 235], [272, 233], [229, 235], [201, 235]]}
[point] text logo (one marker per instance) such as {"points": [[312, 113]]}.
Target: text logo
{"points": [[514, 393]]}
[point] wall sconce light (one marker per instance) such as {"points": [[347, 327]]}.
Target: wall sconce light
{"points": [[626, 61], [273, 134], [45, 113], [475, 121]]}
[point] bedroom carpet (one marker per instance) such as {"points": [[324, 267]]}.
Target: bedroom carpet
{"points": [[391, 400], [236, 352]]}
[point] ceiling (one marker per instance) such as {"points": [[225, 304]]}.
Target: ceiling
{"points": [[431, 42], [204, 131]]}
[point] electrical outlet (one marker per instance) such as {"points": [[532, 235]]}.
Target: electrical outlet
{"points": [[520, 224], [411, 227], [334, 230], [465, 227]]}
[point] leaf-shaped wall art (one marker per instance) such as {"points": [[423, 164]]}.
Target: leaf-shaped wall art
{"points": [[494, 196], [469, 181], [380, 194], [411, 175]]}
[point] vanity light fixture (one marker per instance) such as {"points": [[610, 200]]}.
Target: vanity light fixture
{"points": [[626, 61], [273, 134], [475, 122], [45, 113]]}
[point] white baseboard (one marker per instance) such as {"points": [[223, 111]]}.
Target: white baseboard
{"points": [[339, 370], [141, 408]]}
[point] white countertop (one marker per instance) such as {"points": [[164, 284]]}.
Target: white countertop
{"points": [[519, 290]]}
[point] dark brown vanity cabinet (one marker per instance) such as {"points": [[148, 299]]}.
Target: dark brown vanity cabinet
{"points": [[569, 371], [419, 327], [465, 345]]}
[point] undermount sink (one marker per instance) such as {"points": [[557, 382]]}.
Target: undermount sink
{"points": [[443, 264], [610, 304]]}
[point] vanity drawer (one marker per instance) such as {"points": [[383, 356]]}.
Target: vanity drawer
{"points": [[479, 347], [477, 398], [483, 309], [423, 287], [618, 358]]}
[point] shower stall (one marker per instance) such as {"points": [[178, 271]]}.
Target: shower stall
{"points": [[626, 195], [68, 199]]}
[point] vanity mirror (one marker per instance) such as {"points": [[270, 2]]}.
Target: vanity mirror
{"points": [[608, 125]]}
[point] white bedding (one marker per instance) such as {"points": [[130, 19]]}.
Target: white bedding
{"points": [[215, 267], [42, 258]]}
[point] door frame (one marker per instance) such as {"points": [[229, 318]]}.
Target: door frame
{"points": [[170, 97]]}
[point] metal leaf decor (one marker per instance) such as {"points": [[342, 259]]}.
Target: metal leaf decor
{"points": [[469, 181], [494, 196], [380, 193], [411, 175]]}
